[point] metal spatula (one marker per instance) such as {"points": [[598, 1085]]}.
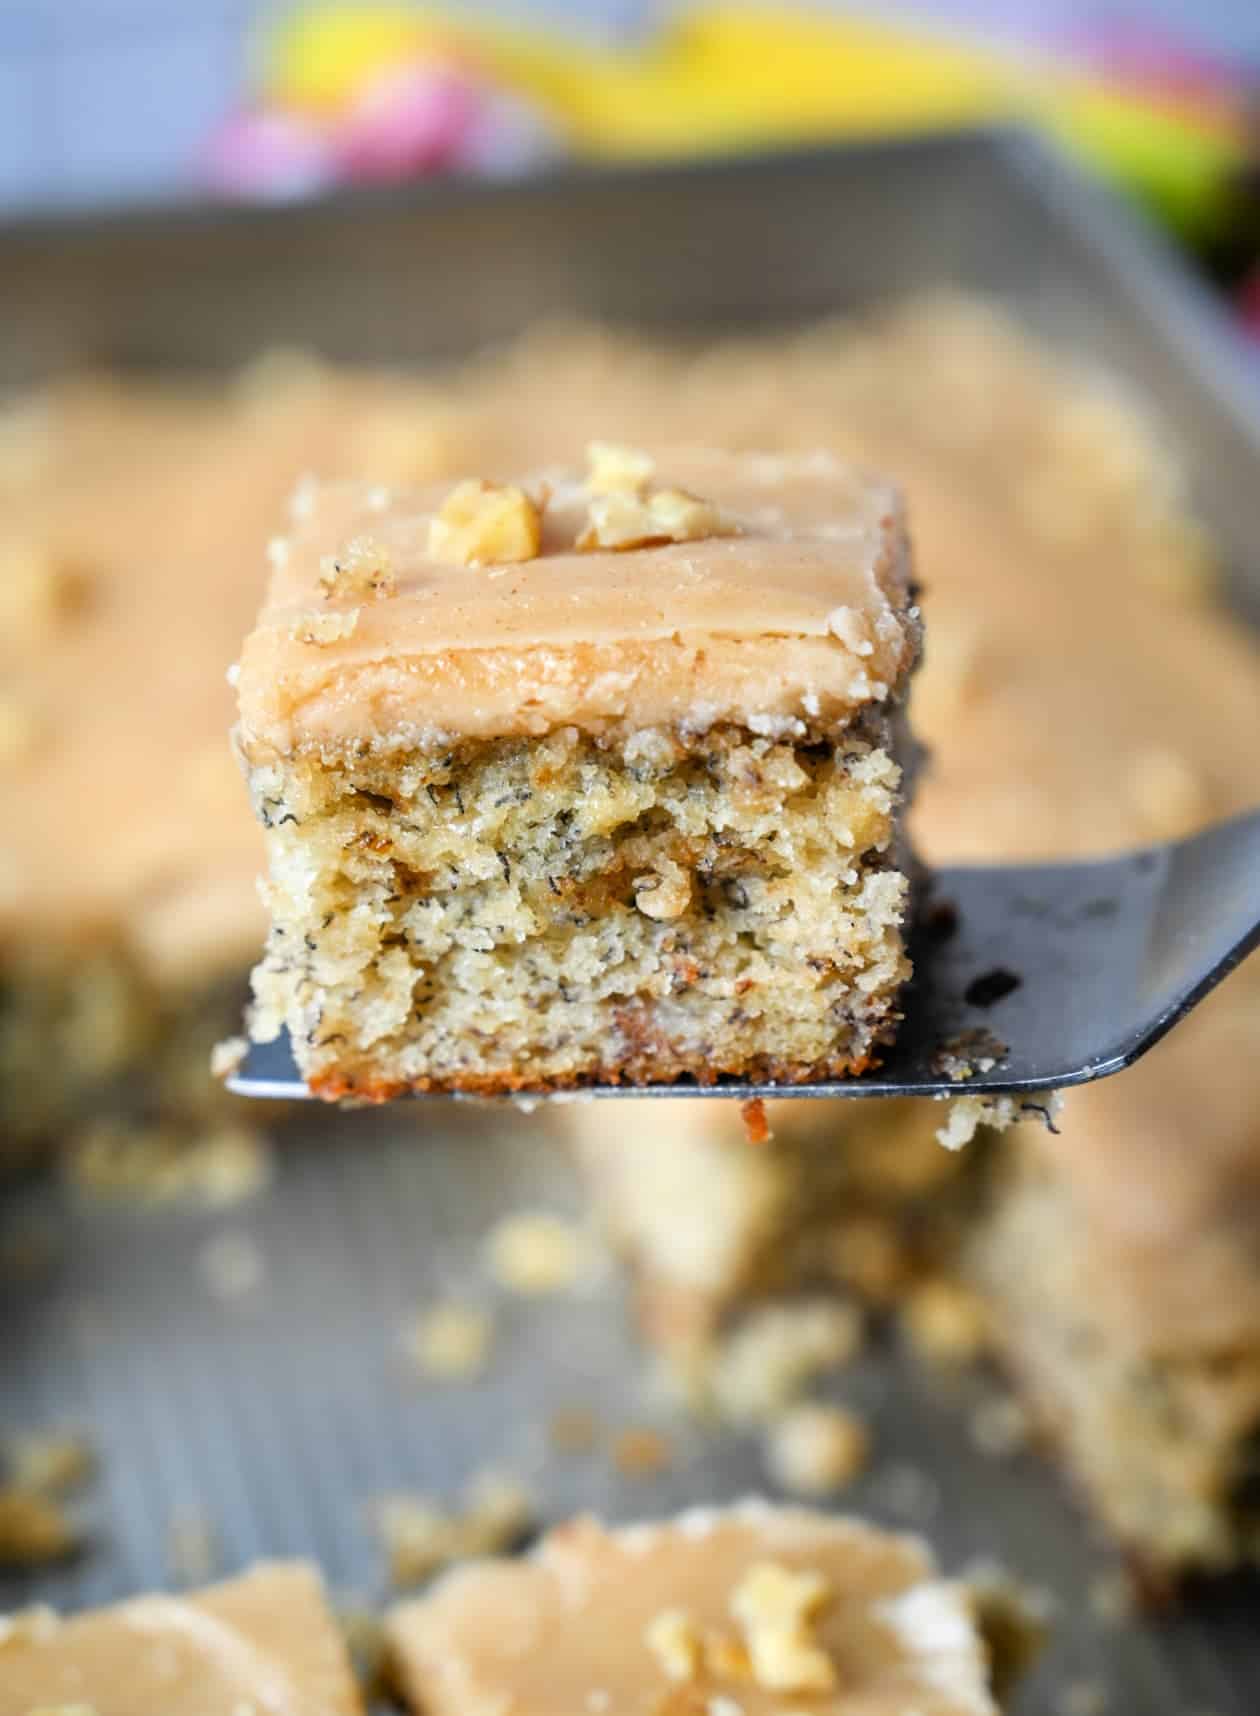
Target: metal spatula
{"points": [[1027, 977]]}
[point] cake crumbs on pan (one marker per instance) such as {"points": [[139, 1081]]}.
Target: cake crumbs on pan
{"points": [[614, 468], [192, 1546], [907, 1493], [232, 1265], [34, 1529], [777, 1351], [450, 1341], [946, 1322], [1082, 1698], [216, 1168], [49, 1462], [420, 1536], [816, 1449], [324, 629], [1113, 1596], [533, 1252], [676, 1642], [641, 1452], [1000, 1427], [573, 1430]]}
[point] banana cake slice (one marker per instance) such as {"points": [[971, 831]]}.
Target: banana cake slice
{"points": [[591, 777], [754, 1608]]}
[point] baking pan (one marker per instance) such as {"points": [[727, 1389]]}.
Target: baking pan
{"points": [[281, 1410]]}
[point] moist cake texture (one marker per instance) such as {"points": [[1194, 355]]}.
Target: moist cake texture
{"points": [[757, 1608], [584, 779], [264, 1642]]}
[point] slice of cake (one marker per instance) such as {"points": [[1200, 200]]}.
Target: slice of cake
{"points": [[754, 1608], [584, 778], [263, 1642]]}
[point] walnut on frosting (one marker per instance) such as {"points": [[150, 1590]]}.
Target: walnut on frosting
{"points": [[675, 1641], [324, 629], [615, 469], [623, 519], [483, 524], [361, 568], [777, 1607]]}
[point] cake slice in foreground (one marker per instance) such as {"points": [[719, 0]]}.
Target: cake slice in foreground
{"points": [[584, 779], [754, 1608], [263, 1642]]}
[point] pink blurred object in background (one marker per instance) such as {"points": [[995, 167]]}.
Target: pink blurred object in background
{"points": [[271, 157], [414, 120]]}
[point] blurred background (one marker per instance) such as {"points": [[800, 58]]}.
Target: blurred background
{"points": [[105, 102]]}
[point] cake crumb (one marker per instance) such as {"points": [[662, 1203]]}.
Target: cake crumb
{"points": [[534, 1252], [664, 895], [1000, 1427], [573, 1430], [613, 468], [192, 1546], [420, 1536], [756, 1126], [228, 1057], [324, 629], [675, 1641], [777, 1351], [484, 524], [34, 1529], [947, 1323], [1082, 1698], [232, 1265], [1113, 1598], [776, 1607], [867, 1254], [907, 1493], [815, 1449], [49, 1462], [361, 568], [641, 1453], [450, 1341], [967, 1114]]}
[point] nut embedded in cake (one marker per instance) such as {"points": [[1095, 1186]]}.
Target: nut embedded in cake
{"points": [[585, 778]]}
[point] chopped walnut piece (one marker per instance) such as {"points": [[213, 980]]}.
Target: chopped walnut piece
{"points": [[486, 524], [815, 1449], [450, 1342], [776, 1606], [324, 629], [674, 1640], [622, 520], [614, 468], [362, 568]]}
